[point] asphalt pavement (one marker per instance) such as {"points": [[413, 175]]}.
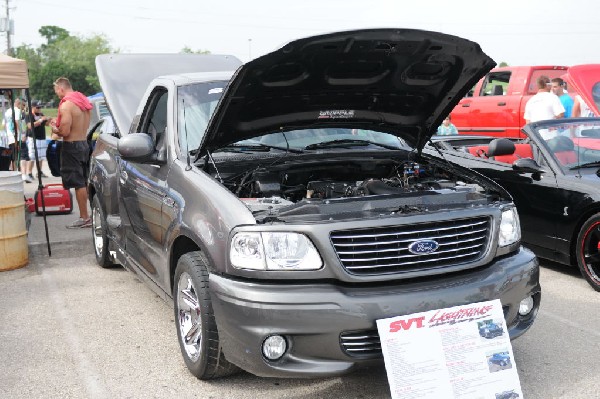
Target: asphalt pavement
{"points": [[70, 329]]}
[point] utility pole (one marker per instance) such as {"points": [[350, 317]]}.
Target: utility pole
{"points": [[8, 30]]}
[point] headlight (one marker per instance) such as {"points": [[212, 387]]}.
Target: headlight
{"points": [[247, 251], [274, 251], [510, 229]]}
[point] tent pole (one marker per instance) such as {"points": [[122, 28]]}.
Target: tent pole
{"points": [[39, 174]]}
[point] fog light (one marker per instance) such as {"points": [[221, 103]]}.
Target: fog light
{"points": [[274, 347], [526, 306]]}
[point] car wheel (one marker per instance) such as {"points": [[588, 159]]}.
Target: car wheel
{"points": [[99, 235], [196, 326], [588, 251]]}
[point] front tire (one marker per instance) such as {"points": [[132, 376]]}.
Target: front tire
{"points": [[99, 235], [588, 251], [195, 321]]}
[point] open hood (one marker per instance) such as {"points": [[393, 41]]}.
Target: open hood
{"points": [[398, 81], [585, 79], [125, 77]]}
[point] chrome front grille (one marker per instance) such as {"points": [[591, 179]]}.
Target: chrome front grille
{"points": [[367, 345], [361, 344], [385, 250]]}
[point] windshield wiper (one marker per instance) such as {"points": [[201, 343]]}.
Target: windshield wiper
{"points": [[258, 147], [585, 165], [347, 143]]}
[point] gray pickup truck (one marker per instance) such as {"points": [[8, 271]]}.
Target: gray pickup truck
{"points": [[286, 205]]}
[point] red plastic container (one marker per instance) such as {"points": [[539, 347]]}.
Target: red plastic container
{"points": [[57, 200], [30, 204]]}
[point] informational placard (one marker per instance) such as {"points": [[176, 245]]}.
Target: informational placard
{"points": [[461, 352]]}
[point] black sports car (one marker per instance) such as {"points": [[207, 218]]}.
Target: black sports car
{"points": [[554, 178]]}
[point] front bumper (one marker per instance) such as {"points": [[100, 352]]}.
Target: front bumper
{"points": [[312, 317]]}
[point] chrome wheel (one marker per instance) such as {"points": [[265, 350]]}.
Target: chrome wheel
{"points": [[97, 231], [197, 331], [99, 235], [189, 319]]}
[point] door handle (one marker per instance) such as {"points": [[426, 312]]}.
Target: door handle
{"points": [[466, 105], [501, 103]]}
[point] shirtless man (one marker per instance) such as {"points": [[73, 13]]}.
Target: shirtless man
{"points": [[71, 125]]}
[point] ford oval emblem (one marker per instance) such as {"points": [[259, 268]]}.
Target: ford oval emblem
{"points": [[423, 247]]}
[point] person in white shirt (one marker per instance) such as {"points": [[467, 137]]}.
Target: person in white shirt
{"points": [[8, 121], [8, 138], [543, 106], [580, 108]]}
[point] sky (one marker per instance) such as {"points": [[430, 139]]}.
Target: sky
{"points": [[518, 32]]}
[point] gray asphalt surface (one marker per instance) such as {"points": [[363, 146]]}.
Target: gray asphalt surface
{"points": [[69, 329]]}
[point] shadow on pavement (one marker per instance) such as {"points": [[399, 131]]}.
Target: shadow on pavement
{"points": [[63, 242]]}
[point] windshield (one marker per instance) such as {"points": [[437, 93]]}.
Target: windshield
{"points": [[596, 94], [196, 104], [327, 138], [573, 143]]}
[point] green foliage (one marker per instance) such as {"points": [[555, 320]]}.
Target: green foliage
{"points": [[188, 50], [63, 55], [53, 33], [503, 64]]}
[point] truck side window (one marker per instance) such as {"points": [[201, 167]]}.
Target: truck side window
{"points": [[495, 84], [535, 74], [155, 122]]}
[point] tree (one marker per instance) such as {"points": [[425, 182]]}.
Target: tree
{"points": [[63, 55], [188, 50], [503, 64], [53, 33]]}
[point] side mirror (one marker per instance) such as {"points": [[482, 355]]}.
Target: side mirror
{"points": [[527, 165], [137, 147]]}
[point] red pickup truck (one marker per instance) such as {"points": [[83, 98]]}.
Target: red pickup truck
{"points": [[496, 105]]}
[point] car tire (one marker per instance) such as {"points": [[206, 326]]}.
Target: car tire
{"points": [[194, 318], [588, 251], [99, 235]]}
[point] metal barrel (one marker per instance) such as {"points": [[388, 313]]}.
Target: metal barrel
{"points": [[14, 250]]}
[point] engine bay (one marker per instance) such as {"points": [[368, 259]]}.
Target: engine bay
{"points": [[319, 188]]}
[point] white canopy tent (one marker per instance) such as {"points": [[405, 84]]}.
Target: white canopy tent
{"points": [[14, 75]]}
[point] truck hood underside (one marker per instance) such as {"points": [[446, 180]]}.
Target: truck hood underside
{"points": [[398, 81]]}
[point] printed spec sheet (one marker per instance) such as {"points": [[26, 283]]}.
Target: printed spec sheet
{"points": [[460, 352]]}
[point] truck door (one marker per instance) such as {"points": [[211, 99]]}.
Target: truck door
{"points": [[491, 111], [143, 189], [460, 113]]}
